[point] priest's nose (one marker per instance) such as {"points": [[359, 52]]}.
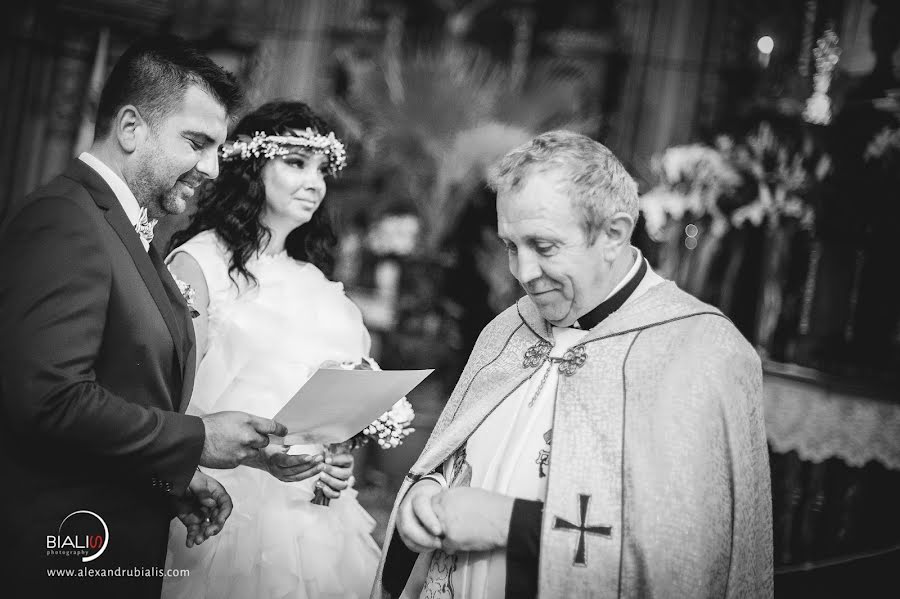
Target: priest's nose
{"points": [[525, 267]]}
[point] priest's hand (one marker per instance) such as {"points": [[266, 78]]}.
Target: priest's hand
{"points": [[417, 522], [203, 509], [473, 519]]}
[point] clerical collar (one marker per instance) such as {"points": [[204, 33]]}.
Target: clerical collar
{"points": [[615, 301]]}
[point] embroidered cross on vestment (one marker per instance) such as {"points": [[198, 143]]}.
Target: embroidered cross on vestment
{"points": [[582, 529]]}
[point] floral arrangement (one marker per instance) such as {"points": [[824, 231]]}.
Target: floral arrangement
{"points": [[388, 430], [767, 177], [692, 178], [784, 176], [391, 427]]}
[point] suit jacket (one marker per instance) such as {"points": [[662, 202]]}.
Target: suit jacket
{"points": [[96, 369]]}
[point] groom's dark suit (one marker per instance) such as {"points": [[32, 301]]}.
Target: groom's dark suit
{"points": [[96, 369]]}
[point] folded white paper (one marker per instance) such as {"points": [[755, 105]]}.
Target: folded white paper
{"points": [[336, 404]]}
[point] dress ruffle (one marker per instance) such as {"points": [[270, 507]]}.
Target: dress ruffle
{"points": [[278, 545]]}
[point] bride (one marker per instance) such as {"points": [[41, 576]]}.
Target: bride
{"points": [[255, 254]]}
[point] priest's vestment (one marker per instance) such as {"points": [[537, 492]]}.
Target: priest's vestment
{"points": [[658, 480]]}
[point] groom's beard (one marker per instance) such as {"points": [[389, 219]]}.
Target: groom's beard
{"points": [[174, 200], [162, 199]]}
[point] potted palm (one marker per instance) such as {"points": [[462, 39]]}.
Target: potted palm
{"points": [[429, 123]]}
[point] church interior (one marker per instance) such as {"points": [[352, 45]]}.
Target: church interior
{"points": [[764, 136]]}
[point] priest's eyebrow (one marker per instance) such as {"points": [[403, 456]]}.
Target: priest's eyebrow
{"points": [[530, 240]]}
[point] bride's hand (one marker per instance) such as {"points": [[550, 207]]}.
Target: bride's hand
{"points": [[335, 478], [291, 468]]}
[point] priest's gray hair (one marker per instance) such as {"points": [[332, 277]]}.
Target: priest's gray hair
{"points": [[590, 174]]}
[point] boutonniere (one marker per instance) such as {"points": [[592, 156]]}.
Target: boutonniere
{"points": [[188, 293]]}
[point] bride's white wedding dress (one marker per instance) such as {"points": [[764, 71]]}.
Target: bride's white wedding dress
{"points": [[264, 343]]}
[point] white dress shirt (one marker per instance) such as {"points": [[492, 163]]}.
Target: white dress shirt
{"points": [[120, 189]]}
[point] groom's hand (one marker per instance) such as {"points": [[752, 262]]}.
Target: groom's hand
{"points": [[233, 438], [417, 523], [203, 509]]}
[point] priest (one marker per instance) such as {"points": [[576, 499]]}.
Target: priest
{"points": [[606, 437]]}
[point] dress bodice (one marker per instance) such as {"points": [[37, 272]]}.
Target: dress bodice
{"points": [[266, 338]]}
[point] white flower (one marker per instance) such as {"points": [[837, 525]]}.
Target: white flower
{"points": [[754, 213], [392, 427], [658, 206], [188, 293]]}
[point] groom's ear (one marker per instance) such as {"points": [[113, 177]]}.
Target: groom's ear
{"points": [[129, 128]]}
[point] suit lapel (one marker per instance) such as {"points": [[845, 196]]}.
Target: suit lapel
{"points": [[115, 216], [183, 320], [190, 369]]}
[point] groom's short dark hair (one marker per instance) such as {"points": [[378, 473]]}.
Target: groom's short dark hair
{"points": [[154, 73]]}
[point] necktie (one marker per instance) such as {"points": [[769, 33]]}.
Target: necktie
{"points": [[144, 226]]}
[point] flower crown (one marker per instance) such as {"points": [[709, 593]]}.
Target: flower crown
{"points": [[272, 146]]}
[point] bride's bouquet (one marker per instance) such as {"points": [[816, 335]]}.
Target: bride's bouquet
{"points": [[388, 430]]}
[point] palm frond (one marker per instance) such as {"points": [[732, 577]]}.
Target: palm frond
{"points": [[434, 119]]}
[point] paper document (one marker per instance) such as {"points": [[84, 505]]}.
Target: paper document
{"points": [[336, 404]]}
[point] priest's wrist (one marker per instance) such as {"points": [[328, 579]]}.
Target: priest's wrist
{"points": [[505, 508]]}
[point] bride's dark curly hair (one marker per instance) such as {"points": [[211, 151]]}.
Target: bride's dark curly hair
{"points": [[232, 203]]}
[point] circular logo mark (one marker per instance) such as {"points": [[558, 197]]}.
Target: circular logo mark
{"points": [[88, 546]]}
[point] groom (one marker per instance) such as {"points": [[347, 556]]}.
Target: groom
{"points": [[97, 357]]}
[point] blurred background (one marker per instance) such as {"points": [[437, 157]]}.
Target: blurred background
{"points": [[764, 135]]}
